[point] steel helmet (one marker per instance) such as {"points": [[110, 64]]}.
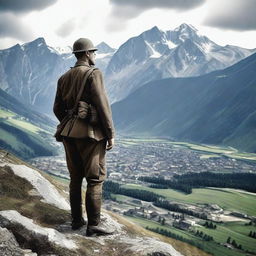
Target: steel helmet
{"points": [[83, 45]]}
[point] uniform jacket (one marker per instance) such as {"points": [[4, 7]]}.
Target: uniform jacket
{"points": [[67, 89]]}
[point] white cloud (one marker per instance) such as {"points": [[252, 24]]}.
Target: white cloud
{"points": [[23, 6], [12, 26], [232, 14], [65, 21], [66, 28]]}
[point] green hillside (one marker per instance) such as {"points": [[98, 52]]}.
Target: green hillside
{"points": [[23, 138]]}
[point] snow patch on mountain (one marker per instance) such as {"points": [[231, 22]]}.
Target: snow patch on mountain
{"points": [[154, 53], [103, 55], [60, 50], [170, 44]]}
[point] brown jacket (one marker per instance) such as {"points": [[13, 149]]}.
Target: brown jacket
{"points": [[68, 87]]}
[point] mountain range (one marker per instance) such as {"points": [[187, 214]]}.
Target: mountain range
{"points": [[216, 108], [157, 54], [29, 72], [166, 83]]}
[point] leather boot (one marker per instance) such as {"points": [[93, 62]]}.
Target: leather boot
{"points": [[76, 210], [78, 224], [98, 230], [93, 208]]}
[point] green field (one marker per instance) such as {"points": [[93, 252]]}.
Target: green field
{"points": [[228, 200], [236, 230], [212, 247], [5, 114], [12, 119], [24, 125]]}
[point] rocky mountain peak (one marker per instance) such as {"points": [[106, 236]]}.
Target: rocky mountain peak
{"points": [[39, 42], [185, 28], [182, 33], [152, 35], [104, 48]]}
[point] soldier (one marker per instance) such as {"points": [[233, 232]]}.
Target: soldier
{"points": [[85, 149]]}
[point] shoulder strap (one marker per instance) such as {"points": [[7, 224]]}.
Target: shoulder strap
{"points": [[81, 88]]}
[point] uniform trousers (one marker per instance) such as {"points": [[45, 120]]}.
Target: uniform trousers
{"points": [[86, 159]]}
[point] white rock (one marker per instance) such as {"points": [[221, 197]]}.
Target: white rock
{"points": [[53, 235], [48, 191]]}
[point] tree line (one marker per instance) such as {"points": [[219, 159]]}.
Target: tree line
{"points": [[168, 233], [113, 187], [186, 182]]}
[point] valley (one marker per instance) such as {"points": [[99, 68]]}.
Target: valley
{"points": [[232, 211]]}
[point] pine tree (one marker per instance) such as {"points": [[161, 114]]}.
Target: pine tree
{"points": [[229, 240], [234, 243]]}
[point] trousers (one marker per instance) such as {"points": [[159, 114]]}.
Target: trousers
{"points": [[86, 159]]}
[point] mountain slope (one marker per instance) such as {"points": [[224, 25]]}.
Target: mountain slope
{"points": [[103, 55], [156, 54], [214, 108], [30, 73], [24, 132], [40, 223]]}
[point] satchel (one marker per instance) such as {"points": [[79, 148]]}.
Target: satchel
{"points": [[60, 128], [87, 112], [71, 121]]}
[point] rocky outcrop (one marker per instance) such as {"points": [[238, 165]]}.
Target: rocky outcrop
{"points": [[9, 245]]}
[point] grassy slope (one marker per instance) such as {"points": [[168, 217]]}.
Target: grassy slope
{"points": [[227, 199], [235, 230], [210, 247], [23, 138]]}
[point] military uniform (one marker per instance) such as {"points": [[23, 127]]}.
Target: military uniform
{"points": [[85, 156]]}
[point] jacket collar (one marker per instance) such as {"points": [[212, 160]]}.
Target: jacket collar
{"points": [[82, 63]]}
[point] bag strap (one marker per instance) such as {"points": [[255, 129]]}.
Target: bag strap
{"points": [[81, 89]]}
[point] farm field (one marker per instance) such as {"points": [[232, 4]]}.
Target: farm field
{"points": [[229, 200], [211, 247]]}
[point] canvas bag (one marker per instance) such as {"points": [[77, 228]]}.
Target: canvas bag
{"points": [[71, 125]]}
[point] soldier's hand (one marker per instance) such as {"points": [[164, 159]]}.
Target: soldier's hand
{"points": [[110, 144]]}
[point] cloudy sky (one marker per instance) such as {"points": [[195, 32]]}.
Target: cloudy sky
{"points": [[61, 22]]}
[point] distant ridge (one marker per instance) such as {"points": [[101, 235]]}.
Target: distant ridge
{"points": [[217, 108]]}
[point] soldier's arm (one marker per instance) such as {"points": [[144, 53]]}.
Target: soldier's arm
{"points": [[59, 106], [100, 101]]}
